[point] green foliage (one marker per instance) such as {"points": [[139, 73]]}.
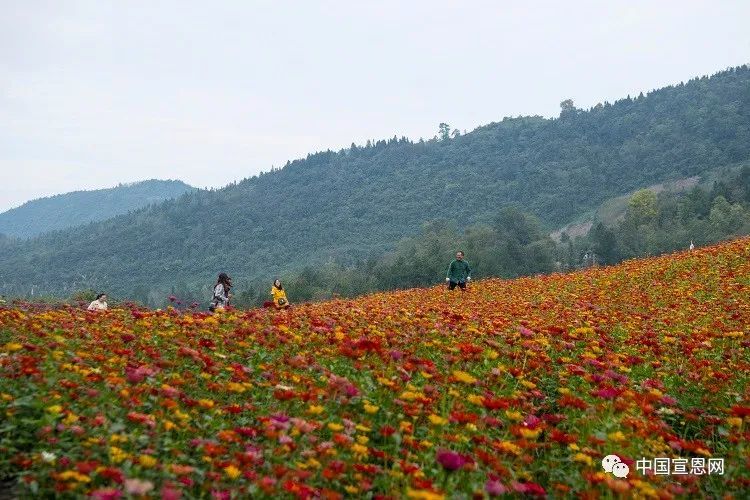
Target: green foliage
{"points": [[642, 206], [670, 221], [84, 296], [349, 208], [515, 246]]}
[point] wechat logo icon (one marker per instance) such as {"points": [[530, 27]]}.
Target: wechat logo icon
{"points": [[614, 465]]}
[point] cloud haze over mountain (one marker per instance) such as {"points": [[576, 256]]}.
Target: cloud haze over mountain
{"points": [[93, 93]]}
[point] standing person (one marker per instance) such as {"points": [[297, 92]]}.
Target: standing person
{"points": [[279, 295], [98, 304], [459, 272], [222, 293]]}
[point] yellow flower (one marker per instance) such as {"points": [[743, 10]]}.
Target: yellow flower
{"points": [[335, 427], [351, 489], [616, 436], [118, 438], [423, 495], [117, 455], [437, 420], [13, 346], [410, 396], [734, 422], [235, 387], [530, 433], [363, 439], [475, 399], [514, 415], [54, 409], [528, 384], [369, 408], [73, 475], [232, 472], [463, 377], [359, 450], [181, 415], [315, 409], [508, 447], [583, 458], [147, 461], [205, 403], [384, 381]]}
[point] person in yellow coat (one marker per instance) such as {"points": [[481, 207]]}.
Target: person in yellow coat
{"points": [[279, 295]]}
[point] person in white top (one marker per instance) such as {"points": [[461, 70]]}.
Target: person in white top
{"points": [[691, 245], [100, 304], [222, 293]]}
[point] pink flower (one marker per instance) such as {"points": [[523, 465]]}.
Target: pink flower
{"points": [[106, 494], [532, 421], [138, 487], [606, 393], [525, 331], [170, 493], [450, 460], [529, 489], [136, 375], [494, 488]]}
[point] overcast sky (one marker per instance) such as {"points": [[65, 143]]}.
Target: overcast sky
{"points": [[101, 92]]}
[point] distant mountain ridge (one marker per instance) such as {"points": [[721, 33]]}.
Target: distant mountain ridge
{"points": [[63, 211], [352, 205]]}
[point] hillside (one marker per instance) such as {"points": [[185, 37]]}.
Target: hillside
{"points": [[351, 205], [518, 386], [81, 207]]}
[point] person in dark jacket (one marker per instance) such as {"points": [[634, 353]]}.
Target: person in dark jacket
{"points": [[459, 272]]}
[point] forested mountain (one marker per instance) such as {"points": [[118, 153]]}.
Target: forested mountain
{"points": [[349, 206], [81, 207]]}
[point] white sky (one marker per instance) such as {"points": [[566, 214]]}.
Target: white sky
{"points": [[100, 92]]}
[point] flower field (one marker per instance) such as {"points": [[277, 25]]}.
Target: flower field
{"points": [[513, 388]]}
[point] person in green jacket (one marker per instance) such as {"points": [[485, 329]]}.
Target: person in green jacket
{"points": [[459, 272]]}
